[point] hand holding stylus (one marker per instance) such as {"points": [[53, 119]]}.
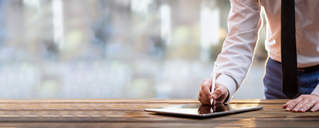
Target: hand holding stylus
{"points": [[205, 95]]}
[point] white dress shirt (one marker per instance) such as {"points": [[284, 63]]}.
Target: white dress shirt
{"points": [[244, 23]]}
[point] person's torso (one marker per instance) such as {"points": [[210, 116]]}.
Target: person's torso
{"points": [[307, 30]]}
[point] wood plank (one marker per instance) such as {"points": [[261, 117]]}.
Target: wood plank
{"points": [[143, 101], [226, 123], [125, 112], [129, 113], [259, 101]]}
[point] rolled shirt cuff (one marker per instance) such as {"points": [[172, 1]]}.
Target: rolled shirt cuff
{"points": [[316, 90], [229, 83]]}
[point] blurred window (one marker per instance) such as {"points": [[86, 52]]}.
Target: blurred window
{"points": [[113, 48]]}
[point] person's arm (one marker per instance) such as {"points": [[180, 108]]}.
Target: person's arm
{"points": [[235, 59]]}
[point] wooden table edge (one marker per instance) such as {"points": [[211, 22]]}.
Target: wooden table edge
{"points": [[169, 101]]}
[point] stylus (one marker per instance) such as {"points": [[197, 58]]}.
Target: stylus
{"points": [[213, 81]]}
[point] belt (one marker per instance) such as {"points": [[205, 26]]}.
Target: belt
{"points": [[308, 68], [303, 69]]}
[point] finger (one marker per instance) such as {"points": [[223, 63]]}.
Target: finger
{"points": [[299, 105], [218, 93], [306, 106], [204, 95], [200, 95], [208, 83], [206, 87], [315, 107], [203, 99], [206, 92], [292, 103], [286, 104]]}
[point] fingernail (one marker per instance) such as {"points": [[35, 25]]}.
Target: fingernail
{"points": [[288, 109], [295, 110], [301, 110], [312, 110]]}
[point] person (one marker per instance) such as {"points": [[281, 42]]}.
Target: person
{"points": [[244, 23]]}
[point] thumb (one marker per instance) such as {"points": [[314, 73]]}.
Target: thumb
{"points": [[217, 93]]}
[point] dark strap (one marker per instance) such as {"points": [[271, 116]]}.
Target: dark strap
{"points": [[288, 49]]}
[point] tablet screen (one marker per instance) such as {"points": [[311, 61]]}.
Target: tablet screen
{"points": [[205, 110]]}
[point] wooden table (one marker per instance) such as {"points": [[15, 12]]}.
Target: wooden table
{"points": [[129, 113]]}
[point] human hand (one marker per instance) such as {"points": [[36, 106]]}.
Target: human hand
{"points": [[219, 95], [303, 103]]}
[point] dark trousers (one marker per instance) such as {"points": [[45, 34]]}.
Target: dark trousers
{"points": [[307, 81]]}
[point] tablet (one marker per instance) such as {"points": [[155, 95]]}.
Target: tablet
{"points": [[198, 110]]}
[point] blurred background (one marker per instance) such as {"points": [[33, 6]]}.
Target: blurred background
{"points": [[115, 48]]}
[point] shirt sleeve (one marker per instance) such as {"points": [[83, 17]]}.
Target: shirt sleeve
{"points": [[233, 62], [316, 90]]}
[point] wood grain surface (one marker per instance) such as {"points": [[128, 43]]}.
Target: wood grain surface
{"points": [[129, 113]]}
